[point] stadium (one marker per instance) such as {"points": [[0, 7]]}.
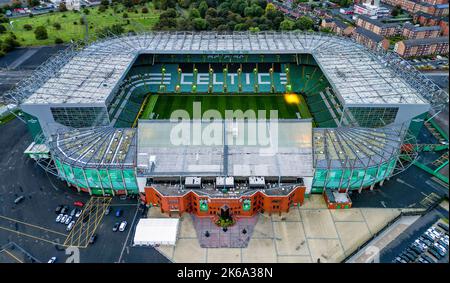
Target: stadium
{"points": [[173, 116]]}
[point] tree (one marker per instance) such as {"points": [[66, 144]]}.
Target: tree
{"points": [[200, 24], [33, 3], [287, 25], [202, 8], [304, 23], [27, 27], [62, 7], [41, 33], [57, 26], [104, 3], [58, 40], [270, 8], [124, 15], [238, 7], [144, 10], [2, 29], [194, 13], [9, 43], [184, 3], [115, 29]]}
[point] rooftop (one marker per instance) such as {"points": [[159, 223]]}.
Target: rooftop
{"points": [[425, 41], [234, 150], [103, 147], [421, 28], [90, 75], [370, 35], [378, 22]]}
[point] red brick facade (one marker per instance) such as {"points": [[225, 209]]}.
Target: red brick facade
{"points": [[190, 203]]}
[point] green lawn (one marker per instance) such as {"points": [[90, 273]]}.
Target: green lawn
{"points": [[164, 105], [69, 30]]}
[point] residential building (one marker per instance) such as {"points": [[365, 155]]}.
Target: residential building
{"points": [[411, 31], [422, 47], [370, 39], [377, 26]]}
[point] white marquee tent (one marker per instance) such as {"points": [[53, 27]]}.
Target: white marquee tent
{"points": [[156, 231]]}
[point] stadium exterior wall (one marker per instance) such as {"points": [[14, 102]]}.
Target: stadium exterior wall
{"points": [[205, 206]]}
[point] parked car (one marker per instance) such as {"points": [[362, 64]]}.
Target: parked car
{"points": [[78, 203], [432, 250], [79, 211], [421, 260], [123, 226], [427, 240], [73, 212], [52, 259], [107, 210], [410, 256], [64, 209], [68, 220], [405, 258], [58, 218], [440, 249], [92, 239], [427, 258], [58, 209], [116, 226], [19, 199], [64, 218], [442, 226], [119, 212], [70, 226]]}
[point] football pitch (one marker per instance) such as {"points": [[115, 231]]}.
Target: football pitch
{"points": [[161, 106]]}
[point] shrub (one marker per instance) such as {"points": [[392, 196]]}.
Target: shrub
{"points": [[2, 29], [125, 15], [58, 40], [27, 27], [57, 26], [41, 33], [144, 10]]}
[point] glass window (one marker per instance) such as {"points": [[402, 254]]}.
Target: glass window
{"points": [[80, 117]]}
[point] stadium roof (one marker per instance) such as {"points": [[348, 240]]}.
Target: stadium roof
{"points": [[233, 152], [159, 149], [359, 76], [356, 148], [103, 147]]}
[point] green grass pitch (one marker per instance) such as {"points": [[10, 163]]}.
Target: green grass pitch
{"points": [[162, 105]]}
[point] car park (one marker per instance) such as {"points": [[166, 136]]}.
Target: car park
{"points": [[79, 211], [58, 218], [58, 209], [116, 226], [19, 200], [64, 218], [52, 259], [68, 220], [123, 226], [70, 226]]}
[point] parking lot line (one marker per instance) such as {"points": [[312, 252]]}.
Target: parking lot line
{"points": [[28, 235], [88, 222], [32, 225], [13, 256]]}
